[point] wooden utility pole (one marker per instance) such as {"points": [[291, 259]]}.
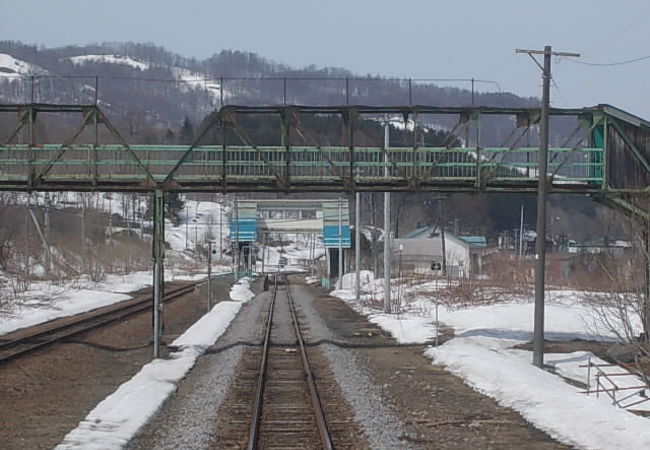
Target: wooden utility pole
{"points": [[540, 241]]}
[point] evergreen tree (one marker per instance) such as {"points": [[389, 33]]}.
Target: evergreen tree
{"points": [[174, 204]]}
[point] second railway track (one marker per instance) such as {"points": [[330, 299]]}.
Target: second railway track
{"points": [[53, 332]]}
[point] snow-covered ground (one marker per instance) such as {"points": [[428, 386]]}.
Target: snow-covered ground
{"points": [[200, 222], [200, 81], [119, 416], [295, 249], [44, 301], [481, 353]]}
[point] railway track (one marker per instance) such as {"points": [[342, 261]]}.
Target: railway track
{"points": [[286, 409], [50, 333]]}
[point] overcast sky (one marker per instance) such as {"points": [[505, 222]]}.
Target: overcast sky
{"points": [[415, 38]]}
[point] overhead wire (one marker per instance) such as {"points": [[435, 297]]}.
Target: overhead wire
{"points": [[622, 30], [617, 63]]}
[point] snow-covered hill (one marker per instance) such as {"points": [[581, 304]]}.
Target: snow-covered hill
{"points": [[11, 67], [109, 59]]}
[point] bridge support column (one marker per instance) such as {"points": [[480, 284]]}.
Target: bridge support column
{"points": [[158, 267]]}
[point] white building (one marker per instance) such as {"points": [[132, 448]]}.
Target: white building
{"points": [[419, 250]]}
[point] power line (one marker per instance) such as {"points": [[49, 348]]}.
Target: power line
{"points": [[622, 30], [618, 63]]}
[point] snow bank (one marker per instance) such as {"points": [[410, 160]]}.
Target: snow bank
{"points": [[406, 329], [241, 291], [349, 280], [117, 418], [541, 397], [482, 355]]}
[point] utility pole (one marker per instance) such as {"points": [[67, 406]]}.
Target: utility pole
{"points": [[357, 244], [46, 232], [83, 227], [521, 233], [540, 241], [27, 249], [196, 226], [443, 243], [340, 243], [236, 252], [209, 275], [387, 305], [110, 220], [220, 230], [263, 250], [187, 224], [158, 268]]}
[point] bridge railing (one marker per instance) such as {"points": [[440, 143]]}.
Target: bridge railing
{"points": [[106, 164]]}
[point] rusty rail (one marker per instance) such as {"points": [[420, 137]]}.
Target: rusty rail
{"points": [[15, 348]]}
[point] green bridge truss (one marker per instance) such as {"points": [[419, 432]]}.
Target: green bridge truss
{"points": [[605, 152]]}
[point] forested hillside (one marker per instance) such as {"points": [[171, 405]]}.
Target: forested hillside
{"points": [[154, 96], [152, 86]]}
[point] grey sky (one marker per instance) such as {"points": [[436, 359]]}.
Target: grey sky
{"points": [[417, 38]]}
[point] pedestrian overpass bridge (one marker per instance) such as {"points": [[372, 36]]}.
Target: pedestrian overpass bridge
{"points": [[606, 153], [603, 152]]}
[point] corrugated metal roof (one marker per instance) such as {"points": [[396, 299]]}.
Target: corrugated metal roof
{"points": [[419, 233], [474, 241]]}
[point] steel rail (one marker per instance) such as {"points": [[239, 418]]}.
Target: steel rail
{"points": [[315, 399], [259, 391], [84, 324], [253, 434]]}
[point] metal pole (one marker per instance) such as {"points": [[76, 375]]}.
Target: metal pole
{"points": [[110, 220], [236, 252], [284, 91], [220, 231], [340, 243], [357, 244], [646, 306], [250, 259], [442, 237], [83, 224], [472, 91], [540, 242], [347, 91], [263, 251], [521, 233], [313, 254], [27, 248], [46, 232], [209, 276], [196, 226], [437, 321], [158, 255], [96, 90], [387, 305]]}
